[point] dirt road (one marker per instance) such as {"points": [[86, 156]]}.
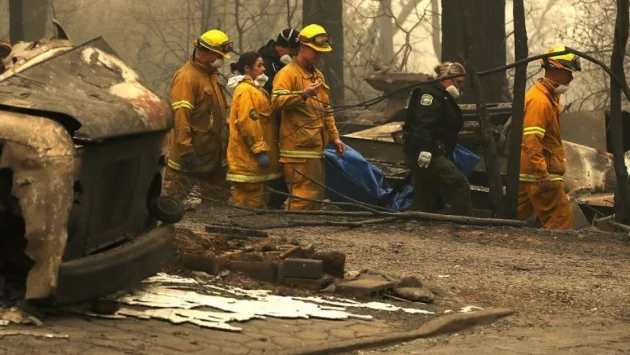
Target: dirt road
{"points": [[572, 291]]}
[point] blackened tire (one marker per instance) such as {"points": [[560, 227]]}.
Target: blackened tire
{"points": [[166, 209]]}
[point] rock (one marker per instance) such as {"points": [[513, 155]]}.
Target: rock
{"points": [[409, 281], [415, 294], [295, 252], [352, 274], [364, 288], [334, 262], [371, 277], [375, 275], [329, 289], [308, 251]]}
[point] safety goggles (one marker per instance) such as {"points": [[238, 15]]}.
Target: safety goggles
{"points": [[224, 48], [318, 40], [573, 64]]}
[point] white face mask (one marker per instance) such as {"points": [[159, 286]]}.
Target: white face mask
{"points": [[286, 59], [217, 63], [453, 91], [261, 80], [561, 89]]}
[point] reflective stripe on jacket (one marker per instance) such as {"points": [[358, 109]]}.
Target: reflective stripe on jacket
{"points": [[253, 129], [304, 129], [542, 153], [200, 126]]}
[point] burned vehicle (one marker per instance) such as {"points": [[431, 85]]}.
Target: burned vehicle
{"points": [[81, 163]]}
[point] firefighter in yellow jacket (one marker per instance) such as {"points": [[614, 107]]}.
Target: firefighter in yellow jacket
{"points": [[198, 140], [253, 145], [301, 95], [541, 187]]}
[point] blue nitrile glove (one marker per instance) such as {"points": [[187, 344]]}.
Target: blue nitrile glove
{"points": [[263, 160]]}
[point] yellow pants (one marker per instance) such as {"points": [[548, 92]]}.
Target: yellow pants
{"points": [[552, 206], [211, 184], [302, 186], [250, 195]]}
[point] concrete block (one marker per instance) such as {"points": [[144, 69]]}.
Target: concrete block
{"points": [[258, 270], [302, 268], [364, 288], [334, 262], [309, 284], [208, 264]]}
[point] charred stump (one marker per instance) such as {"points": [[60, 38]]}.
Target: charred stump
{"points": [[491, 157], [518, 107], [622, 194]]}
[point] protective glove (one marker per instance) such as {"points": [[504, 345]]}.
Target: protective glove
{"points": [[424, 159], [188, 161], [263, 160]]}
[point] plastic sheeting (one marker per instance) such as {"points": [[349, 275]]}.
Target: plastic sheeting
{"points": [[359, 179]]}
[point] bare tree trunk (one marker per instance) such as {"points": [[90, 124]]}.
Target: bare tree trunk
{"points": [[28, 19], [386, 31], [488, 35], [518, 106], [330, 16], [490, 149], [206, 15], [16, 21], [435, 25], [622, 195]]}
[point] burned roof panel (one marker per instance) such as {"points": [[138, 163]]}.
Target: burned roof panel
{"points": [[94, 86]]}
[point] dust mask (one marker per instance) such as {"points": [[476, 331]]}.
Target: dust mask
{"points": [[453, 91], [558, 88], [286, 59], [561, 89], [217, 63], [261, 80]]}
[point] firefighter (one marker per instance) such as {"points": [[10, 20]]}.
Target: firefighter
{"points": [[541, 187], [253, 145], [198, 140], [276, 54], [301, 95], [430, 132]]}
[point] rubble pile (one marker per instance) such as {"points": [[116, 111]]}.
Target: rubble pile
{"points": [[220, 251]]}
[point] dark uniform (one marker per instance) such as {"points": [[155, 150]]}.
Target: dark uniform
{"points": [[432, 124], [272, 63]]}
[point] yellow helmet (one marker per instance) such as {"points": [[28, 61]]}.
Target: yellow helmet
{"points": [[315, 36], [216, 41], [567, 61]]}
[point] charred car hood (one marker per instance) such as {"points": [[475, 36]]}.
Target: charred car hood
{"points": [[90, 85]]}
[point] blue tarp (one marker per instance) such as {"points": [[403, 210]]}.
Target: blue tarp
{"points": [[359, 179]]}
